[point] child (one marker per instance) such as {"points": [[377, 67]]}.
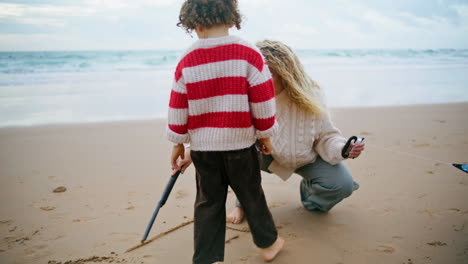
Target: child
{"points": [[221, 102]]}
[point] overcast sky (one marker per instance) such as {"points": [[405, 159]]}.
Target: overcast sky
{"points": [[150, 24]]}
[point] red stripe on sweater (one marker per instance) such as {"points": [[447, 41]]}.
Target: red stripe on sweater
{"points": [[264, 124], [220, 120], [178, 100], [261, 92], [217, 87], [220, 53], [179, 129]]}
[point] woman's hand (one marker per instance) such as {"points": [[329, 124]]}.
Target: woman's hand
{"points": [[183, 162], [356, 149]]}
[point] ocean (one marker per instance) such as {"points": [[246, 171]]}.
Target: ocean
{"points": [[57, 87]]}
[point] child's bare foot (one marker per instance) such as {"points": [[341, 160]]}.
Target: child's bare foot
{"points": [[236, 216], [269, 253]]}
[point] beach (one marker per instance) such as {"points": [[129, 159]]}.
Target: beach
{"points": [[412, 205]]}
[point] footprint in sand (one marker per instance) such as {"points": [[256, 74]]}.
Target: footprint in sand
{"points": [[364, 133], [385, 249]]}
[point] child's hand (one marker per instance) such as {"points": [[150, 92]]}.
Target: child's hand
{"points": [[265, 146], [185, 162], [177, 151]]}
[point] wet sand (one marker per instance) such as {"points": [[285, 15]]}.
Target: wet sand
{"points": [[412, 206]]}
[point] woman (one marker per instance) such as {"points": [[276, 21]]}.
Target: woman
{"points": [[307, 143]]}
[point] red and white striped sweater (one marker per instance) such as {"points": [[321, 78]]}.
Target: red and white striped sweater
{"points": [[222, 97]]}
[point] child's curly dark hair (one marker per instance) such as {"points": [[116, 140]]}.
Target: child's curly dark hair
{"points": [[208, 13]]}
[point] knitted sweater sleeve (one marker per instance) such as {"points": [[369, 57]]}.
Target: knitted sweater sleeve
{"points": [[262, 100], [177, 120], [330, 142]]}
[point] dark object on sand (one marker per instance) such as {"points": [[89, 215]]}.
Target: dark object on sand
{"points": [[60, 189], [463, 167], [164, 197]]}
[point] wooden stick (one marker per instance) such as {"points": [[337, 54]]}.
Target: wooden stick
{"points": [[159, 235]]}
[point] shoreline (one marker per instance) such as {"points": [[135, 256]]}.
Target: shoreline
{"points": [[162, 119]]}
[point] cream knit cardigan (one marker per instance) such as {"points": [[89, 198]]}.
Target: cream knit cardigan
{"points": [[301, 137]]}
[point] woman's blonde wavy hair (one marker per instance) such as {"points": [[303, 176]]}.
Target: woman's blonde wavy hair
{"points": [[283, 62]]}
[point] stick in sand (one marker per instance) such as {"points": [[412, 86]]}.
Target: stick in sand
{"points": [[163, 200]]}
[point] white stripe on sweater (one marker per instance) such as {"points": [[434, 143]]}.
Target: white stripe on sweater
{"points": [[224, 103], [177, 116], [179, 86], [230, 68], [209, 71], [215, 139], [259, 77], [264, 109]]}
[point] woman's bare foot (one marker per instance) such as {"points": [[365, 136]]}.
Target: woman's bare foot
{"points": [[236, 216], [269, 253]]}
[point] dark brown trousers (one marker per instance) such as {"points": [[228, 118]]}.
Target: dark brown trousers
{"points": [[215, 171]]}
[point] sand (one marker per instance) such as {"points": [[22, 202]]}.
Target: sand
{"points": [[411, 208]]}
